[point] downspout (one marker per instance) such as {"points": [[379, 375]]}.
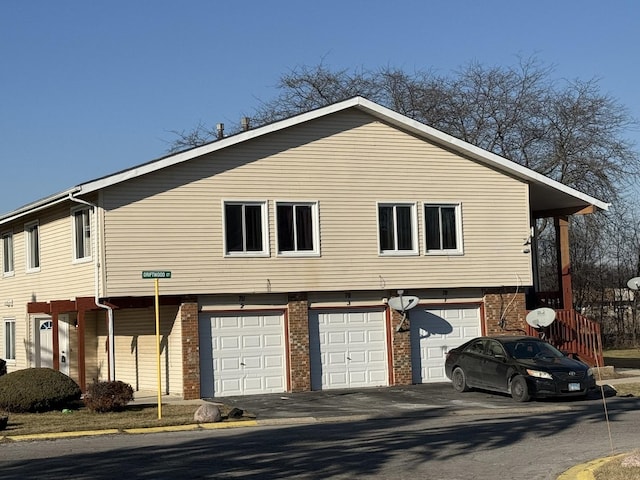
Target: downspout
{"points": [[96, 280]]}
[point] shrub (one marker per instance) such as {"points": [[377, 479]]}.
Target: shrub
{"points": [[108, 396], [37, 390], [3, 367]]}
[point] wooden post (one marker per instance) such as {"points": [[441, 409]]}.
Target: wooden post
{"points": [[561, 224]]}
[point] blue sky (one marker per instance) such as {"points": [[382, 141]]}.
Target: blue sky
{"points": [[89, 88]]}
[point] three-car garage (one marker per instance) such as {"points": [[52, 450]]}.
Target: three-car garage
{"points": [[247, 353]]}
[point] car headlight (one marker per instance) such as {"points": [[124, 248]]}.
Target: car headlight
{"points": [[539, 374], [590, 372]]}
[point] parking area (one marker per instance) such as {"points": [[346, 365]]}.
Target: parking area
{"points": [[418, 400]]}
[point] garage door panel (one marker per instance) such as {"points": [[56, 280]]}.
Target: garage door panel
{"points": [[357, 337], [337, 338], [435, 331], [348, 349], [228, 322], [248, 353], [226, 343]]}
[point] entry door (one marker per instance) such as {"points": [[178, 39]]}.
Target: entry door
{"points": [[63, 335], [44, 346], [44, 354]]}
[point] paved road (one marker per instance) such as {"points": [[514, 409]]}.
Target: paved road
{"points": [[473, 436]]}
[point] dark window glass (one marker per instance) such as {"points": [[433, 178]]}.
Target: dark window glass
{"points": [[385, 219], [295, 228], [403, 216], [253, 226], [285, 228], [243, 228], [441, 228], [304, 227], [233, 227], [432, 219], [448, 228]]}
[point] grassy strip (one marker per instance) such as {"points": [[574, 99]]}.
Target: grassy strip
{"points": [[134, 416]]}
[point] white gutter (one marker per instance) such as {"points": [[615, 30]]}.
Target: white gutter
{"points": [[96, 280]]}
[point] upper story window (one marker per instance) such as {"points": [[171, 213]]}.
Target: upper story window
{"points": [[81, 234], [443, 228], [297, 228], [246, 229], [32, 245], [397, 228], [7, 253], [10, 339]]}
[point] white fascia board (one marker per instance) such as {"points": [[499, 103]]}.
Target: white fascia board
{"points": [[361, 103], [37, 205], [477, 153], [213, 146]]}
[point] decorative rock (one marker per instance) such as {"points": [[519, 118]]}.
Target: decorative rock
{"points": [[235, 413], [207, 413]]}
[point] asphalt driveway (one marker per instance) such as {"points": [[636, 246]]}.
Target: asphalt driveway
{"points": [[418, 400]]}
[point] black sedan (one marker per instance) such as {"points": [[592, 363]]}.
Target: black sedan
{"points": [[522, 366]]}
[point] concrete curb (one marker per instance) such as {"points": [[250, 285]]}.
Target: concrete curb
{"points": [[130, 431], [585, 471]]}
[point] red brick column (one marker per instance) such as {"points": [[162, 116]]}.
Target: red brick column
{"points": [[401, 350], [504, 314], [300, 363], [190, 351]]}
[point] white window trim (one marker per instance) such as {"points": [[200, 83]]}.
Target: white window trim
{"points": [[9, 273], [74, 239], [315, 228], [27, 245], [10, 361], [414, 229], [264, 204], [459, 236]]}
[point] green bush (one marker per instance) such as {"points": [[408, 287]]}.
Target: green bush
{"points": [[108, 396], [37, 390]]}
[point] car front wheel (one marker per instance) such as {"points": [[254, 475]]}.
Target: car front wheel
{"points": [[520, 389], [459, 380]]}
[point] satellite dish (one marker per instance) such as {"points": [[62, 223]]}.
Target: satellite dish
{"points": [[541, 317], [634, 283], [402, 304]]}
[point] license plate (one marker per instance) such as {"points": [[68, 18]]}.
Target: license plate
{"points": [[574, 387]]}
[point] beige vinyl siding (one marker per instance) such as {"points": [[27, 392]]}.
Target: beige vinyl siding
{"points": [[135, 349], [172, 219], [95, 348], [58, 278]]}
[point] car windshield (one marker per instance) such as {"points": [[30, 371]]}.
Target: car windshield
{"points": [[524, 349]]}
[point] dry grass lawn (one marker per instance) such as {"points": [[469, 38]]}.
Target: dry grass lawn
{"points": [[134, 416], [625, 468]]}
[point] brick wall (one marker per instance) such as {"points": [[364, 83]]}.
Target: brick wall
{"points": [[190, 351], [298, 316], [504, 311], [401, 350]]}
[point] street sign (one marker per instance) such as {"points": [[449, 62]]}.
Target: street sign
{"points": [[155, 274]]}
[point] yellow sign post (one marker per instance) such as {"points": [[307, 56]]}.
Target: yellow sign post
{"points": [[156, 275]]}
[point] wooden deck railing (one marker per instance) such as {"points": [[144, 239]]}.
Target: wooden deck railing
{"points": [[574, 333]]}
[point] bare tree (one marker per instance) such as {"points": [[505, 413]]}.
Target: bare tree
{"points": [[567, 130]]}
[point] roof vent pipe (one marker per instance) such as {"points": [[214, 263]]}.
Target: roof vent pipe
{"points": [[246, 123], [220, 129]]}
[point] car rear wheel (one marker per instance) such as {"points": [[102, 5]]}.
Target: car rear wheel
{"points": [[459, 380], [520, 389]]}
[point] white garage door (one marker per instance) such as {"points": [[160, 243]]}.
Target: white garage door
{"points": [[248, 354], [434, 331], [348, 349]]}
